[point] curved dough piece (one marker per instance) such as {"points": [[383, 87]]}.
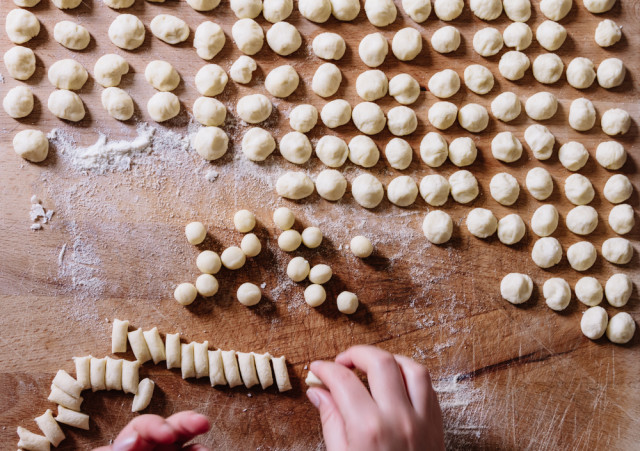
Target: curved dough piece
{"points": [[142, 399]]}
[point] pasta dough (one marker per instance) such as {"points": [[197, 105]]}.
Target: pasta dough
{"points": [[20, 62], [557, 293], [64, 399], [21, 26], [201, 359], [127, 32], [373, 49], [169, 29], [589, 291], [138, 346], [263, 369], [621, 328], [516, 288], [247, 367], [437, 227], [68, 384], [98, 370], [208, 40], [50, 428], [231, 370], [544, 220], [130, 376], [216, 369], [173, 352], [361, 246], [83, 371], [187, 362], [155, 345], [72, 418], [594, 322], [32, 442], [71, 35], [546, 252], [281, 373], [32, 145], [113, 374], [142, 399], [618, 290]]}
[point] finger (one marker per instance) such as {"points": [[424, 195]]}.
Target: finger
{"points": [[384, 375], [143, 433], [187, 425], [418, 384], [333, 428]]}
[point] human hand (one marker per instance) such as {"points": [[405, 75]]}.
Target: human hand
{"points": [[154, 433], [401, 412]]}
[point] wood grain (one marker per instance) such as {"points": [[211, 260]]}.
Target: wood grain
{"points": [[508, 377]]}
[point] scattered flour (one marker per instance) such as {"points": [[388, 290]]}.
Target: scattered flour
{"points": [[38, 214]]}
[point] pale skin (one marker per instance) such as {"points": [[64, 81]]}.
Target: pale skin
{"points": [[400, 411]]}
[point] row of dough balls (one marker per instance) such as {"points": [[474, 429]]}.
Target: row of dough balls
{"points": [[547, 252]]}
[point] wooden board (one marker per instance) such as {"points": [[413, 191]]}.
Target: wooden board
{"points": [[508, 377]]}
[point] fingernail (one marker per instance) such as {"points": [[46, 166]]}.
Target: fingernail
{"points": [[126, 444], [313, 397]]}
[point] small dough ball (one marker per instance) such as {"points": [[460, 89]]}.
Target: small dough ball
{"points": [[368, 118], [511, 229], [618, 189], [315, 295], [544, 220], [32, 145], [67, 4], [517, 10], [573, 155], [233, 258], [211, 143], [608, 33], [518, 35], [198, 5], [249, 294], [258, 144], [581, 73], [373, 49], [315, 10], [478, 79], [283, 218], [444, 84], [617, 250], [127, 32], [195, 232], [254, 108], [208, 40], [329, 46], [406, 44], [398, 153], [246, 8], [211, 80], [555, 9], [26, 3], [435, 189], [540, 140], [372, 85], [506, 107], [311, 237], [347, 302], [482, 223], [582, 220], [551, 35], [404, 89], [18, 102], [20, 62], [618, 290], [589, 291], [581, 255], [210, 112], [336, 113], [598, 6], [250, 245], [242, 69], [513, 65], [248, 36], [163, 106], [539, 183], [361, 246], [611, 155], [546, 252], [109, 69], [462, 151], [437, 227], [367, 191], [486, 9], [294, 185], [207, 285], [282, 81], [208, 262], [298, 269], [464, 186], [66, 105], [331, 184], [611, 73], [326, 80], [448, 10], [345, 10], [418, 10], [67, 74], [244, 221], [169, 29], [547, 68], [506, 147], [621, 219], [401, 121], [504, 188], [516, 288], [557, 293], [621, 328], [185, 293], [541, 106], [593, 323], [446, 39], [118, 103], [434, 149], [615, 121], [380, 12], [363, 151], [71, 35], [320, 274], [473, 117], [332, 151], [295, 147], [402, 191], [578, 189], [304, 117], [162, 76], [283, 38], [582, 115], [487, 41], [21, 26], [442, 115]]}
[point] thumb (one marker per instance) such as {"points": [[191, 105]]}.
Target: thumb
{"points": [[333, 427]]}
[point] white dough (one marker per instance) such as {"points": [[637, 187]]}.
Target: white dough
{"points": [[464, 186], [208, 40], [369, 118], [195, 232], [248, 36], [621, 328], [216, 368], [548, 68], [294, 185], [72, 418], [367, 191], [373, 49], [418, 10], [578, 189], [304, 117], [473, 117], [66, 105], [372, 85], [109, 69], [544, 220], [518, 35], [113, 373], [582, 115], [555, 9], [331, 184], [281, 374], [231, 370], [211, 143], [247, 366], [244, 221], [67, 74], [282, 81], [557, 293], [250, 245], [71, 35], [437, 227], [608, 33], [32, 145], [402, 191], [593, 323], [298, 269], [582, 220], [20, 62], [481, 223], [546, 252], [263, 369], [127, 32], [169, 29], [398, 153], [315, 295], [611, 155], [50, 428], [332, 151], [581, 73], [68, 384], [142, 399], [21, 26], [581, 255], [206, 285], [119, 336], [138, 346], [511, 229], [185, 293], [326, 80], [478, 79], [573, 155], [380, 12], [442, 115], [618, 189], [363, 151], [163, 106], [311, 237], [540, 140], [118, 4], [446, 39], [67, 4], [504, 188], [258, 144], [283, 218], [329, 46], [32, 442], [506, 107], [516, 288], [539, 183], [345, 10], [598, 6], [611, 73], [211, 80], [622, 219], [541, 106], [246, 8], [295, 147], [283, 38], [434, 149], [315, 10], [589, 291], [618, 290], [617, 250], [462, 151], [615, 121], [506, 147], [513, 65], [249, 294], [162, 76], [335, 113], [444, 84], [347, 302], [435, 189], [254, 108], [487, 41], [98, 370], [233, 258], [83, 371], [448, 9], [551, 35], [486, 9], [406, 44], [401, 121], [320, 274]]}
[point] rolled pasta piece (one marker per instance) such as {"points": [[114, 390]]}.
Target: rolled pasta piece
{"points": [[263, 368], [216, 370], [172, 350], [130, 376], [142, 399], [231, 371], [119, 336], [50, 428], [186, 362], [67, 384], [201, 359], [64, 399], [281, 373], [71, 418], [247, 369], [113, 374], [83, 371], [313, 381], [155, 345], [98, 373], [32, 442], [139, 346]]}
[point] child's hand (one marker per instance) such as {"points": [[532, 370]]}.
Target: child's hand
{"points": [[401, 412]]}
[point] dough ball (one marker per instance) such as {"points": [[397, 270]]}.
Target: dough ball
{"points": [[283, 38], [195, 232], [473, 117], [547, 68], [486, 9], [573, 155], [518, 35], [546, 252], [608, 33], [406, 44], [277, 10], [249, 294], [320, 274], [404, 89], [368, 118], [434, 149], [162, 76], [315, 295], [258, 144], [544, 220], [541, 106], [618, 189], [448, 10], [611, 155], [517, 10], [246, 8], [332, 151], [109, 69], [372, 85], [295, 147], [621, 328], [398, 153], [118, 4], [373, 49], [304, 117], [551, 35], [482, 223], [402, 191], [242, 69], [208, 262], [32, 145], [312, 237], [209, 111], [582, 115], [598, 6], [516, 288], [347, 302], [464, 186], [185, 293], [66, 105], [71, 35], [67, 4], [511, 229], [331, 184], [557, 293], [315, 10], [18, 102], [127, 32], [27, 3], [20, 62], [248, 36], [446, 39], [539, 183], [329, 46], [118, 103], [361, 246], [211, 80], [594, 322], [555, 9], [67, 74], [506, 147], [380, 12], [540, 140], [21, 26], [442, 115], [617, 250], [487, 42], [578, 189], [581, 73], [504, 188], [233, 258], [282, 81], [589, 291], [444, 84], [206, 285], [506, 107], [283, 218], [345, 10], [435, 189], [208, 40], [478, 79], [418, 10], [244, 221], [254, 108], [618, 290], [326, 80], [367, 191], [401, 121], [611, 73], [363, 151], [615, 121], [169, 29], [163, 106], [336, 113], [250, 245], [582, 220], [298, 269], [581, 255], [513, 65], [621, 219], [294, 185], [437, 227], [462, 151]]}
